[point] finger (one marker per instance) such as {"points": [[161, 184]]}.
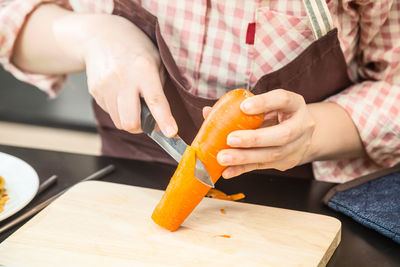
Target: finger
{"points": [[112, 109], [98, 88], [158, 104], [276, 135], [278, 99], [206, 111], [94, 92], [270, 119], [129, 110], [229, 157], [234, 171], [273, 115], [100, 101]]}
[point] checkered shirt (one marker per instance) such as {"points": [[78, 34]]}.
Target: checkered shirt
{"points": [[208, 42]]}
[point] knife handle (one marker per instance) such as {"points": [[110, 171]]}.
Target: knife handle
{"points": [[146, 119]]}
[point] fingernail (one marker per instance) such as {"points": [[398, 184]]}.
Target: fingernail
{"points": [[246, 106], [171, 131], [228, 174], [234, 141], [225, 159]]}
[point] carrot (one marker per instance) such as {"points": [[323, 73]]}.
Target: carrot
{"points": [[181, 195], [184, 192], [224, 118]]}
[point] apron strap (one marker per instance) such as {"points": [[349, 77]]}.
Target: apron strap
{"points": [[319, 16]]}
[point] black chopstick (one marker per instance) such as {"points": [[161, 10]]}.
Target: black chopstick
{"points": [[46, 184]]}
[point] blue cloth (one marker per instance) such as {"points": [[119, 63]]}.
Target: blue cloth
{"points": [[375, 204]]}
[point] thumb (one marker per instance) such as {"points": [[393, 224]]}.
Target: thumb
{"points": [[206, 111]]}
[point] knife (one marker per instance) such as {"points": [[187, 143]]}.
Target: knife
{"points": [[174, 146]]}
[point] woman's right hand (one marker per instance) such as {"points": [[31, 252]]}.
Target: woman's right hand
{"points": [[122, 64]]}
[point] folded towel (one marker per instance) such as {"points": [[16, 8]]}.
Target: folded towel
{"points": [[373, 201]]}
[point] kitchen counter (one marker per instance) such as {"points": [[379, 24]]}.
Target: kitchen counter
{"points": [[360, 246]]}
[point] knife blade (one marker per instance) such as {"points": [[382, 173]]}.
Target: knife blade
{"points": [[174, 146]]}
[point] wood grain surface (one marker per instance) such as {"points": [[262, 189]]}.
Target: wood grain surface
{"points": [[107, 224]]}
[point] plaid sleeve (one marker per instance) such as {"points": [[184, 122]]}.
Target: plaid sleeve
{"points": [[12, 17], [373, 104]]}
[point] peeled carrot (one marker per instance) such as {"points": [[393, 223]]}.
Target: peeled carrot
{"points": [[184, 192]]}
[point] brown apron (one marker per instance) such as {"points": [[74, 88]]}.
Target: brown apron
{"points": [[317, 73]]}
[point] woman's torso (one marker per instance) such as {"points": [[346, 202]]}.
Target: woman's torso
{"points": [[296, 63], [209, 39]]}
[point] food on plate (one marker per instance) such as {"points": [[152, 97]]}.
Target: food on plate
{"points": [[184, 192], [3, 194]]}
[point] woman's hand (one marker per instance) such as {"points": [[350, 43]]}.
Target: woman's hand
{"points": [[122, 64], [280, 146], [120, 60]]}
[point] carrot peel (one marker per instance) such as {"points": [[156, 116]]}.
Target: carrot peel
{"points": [[218, 194]]}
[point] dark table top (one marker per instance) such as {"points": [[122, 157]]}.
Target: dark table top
{"points": [[359, 246]]}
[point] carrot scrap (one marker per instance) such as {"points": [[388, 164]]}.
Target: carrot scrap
{"points": [[184, 192], [215, 193], [223, 211], [218, 194], [226, 236], [237, 196]]}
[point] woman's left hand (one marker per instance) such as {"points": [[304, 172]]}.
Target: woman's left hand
{"points": [[280, 146]]}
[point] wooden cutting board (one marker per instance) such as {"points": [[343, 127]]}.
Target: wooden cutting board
{"points": [[106, 224]]}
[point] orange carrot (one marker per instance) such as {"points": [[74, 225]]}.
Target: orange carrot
{"points": [[224, 118], [184, 191]]}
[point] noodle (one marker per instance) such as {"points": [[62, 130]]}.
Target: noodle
{"points": [[3, 195]]}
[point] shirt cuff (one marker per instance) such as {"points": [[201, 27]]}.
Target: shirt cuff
{"points": [[12, 18], [374, 109]]}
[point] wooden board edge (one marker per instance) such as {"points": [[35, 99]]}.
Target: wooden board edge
{"points": [[331, 249]]}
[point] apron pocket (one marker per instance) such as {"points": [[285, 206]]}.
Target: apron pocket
{"points": [[279, 38]]}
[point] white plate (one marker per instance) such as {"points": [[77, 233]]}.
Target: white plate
{"points": [[22, 183]]}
